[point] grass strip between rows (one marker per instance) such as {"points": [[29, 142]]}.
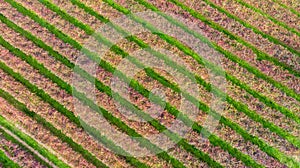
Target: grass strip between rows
{"points": [[7, 162], [233, 151], [30, 141], [239, 106], [151, 73], [198, 58], [207, 86], [260, 54], [78, 148], [257, 10], [59, 107], [228, 14], [288, 8], [239, 61], [183, 70], [113, 120], [12, 139], [65, 112], [183, 143], [187, 146], [293, 140], [270, 150]]}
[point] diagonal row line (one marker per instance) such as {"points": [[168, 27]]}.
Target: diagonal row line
{"points": [[161, 128], [81, 25], [12, 138], [187, 51], [231, 150], [126, 11], [109, 117], [151, 73], [287, 7], [293, 30], [260, 55], [5, 161], [199, 80], [41, 93], [188, 146], [113, 120], [269, 37], [30, 141]]}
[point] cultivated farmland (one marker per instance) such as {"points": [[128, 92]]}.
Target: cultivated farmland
{"points": [[150, 83]]}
